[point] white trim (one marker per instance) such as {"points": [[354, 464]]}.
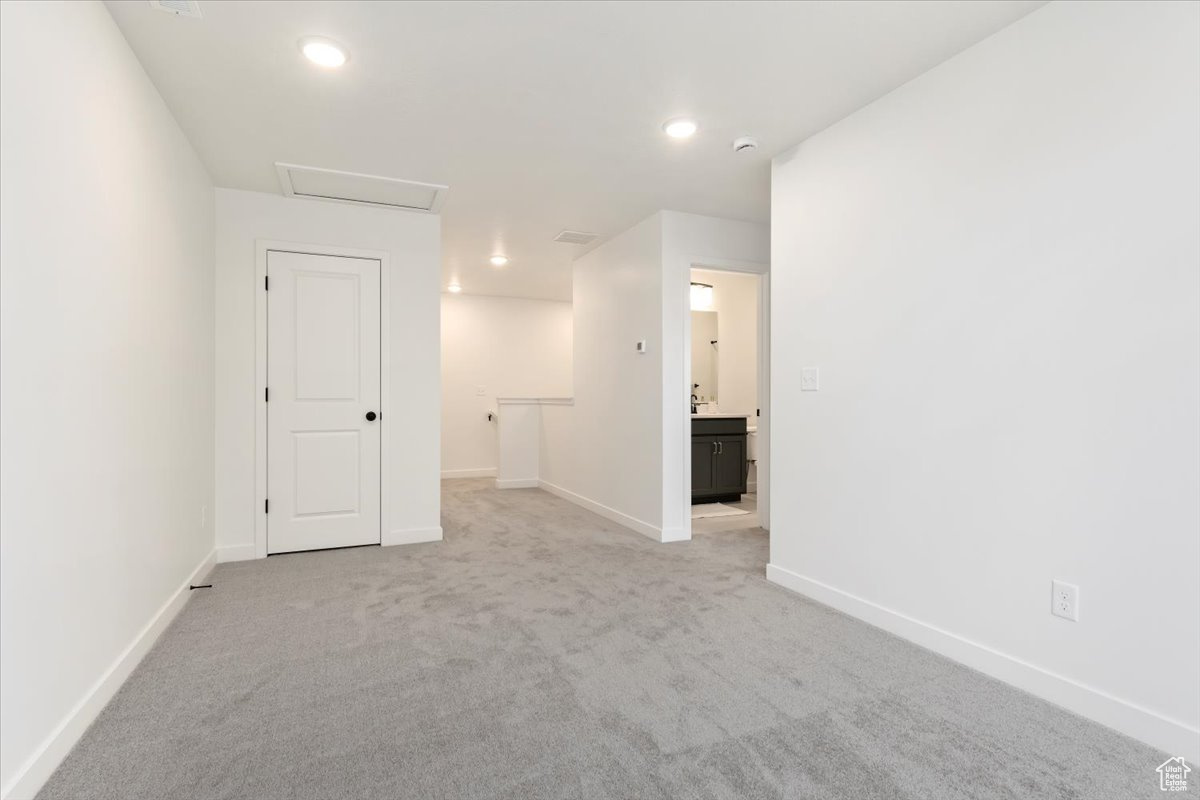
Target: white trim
{"points": [[481, 472], [517, 483], [1164, 733], [41, 765], [412, 536], [385, 391], [675, 535], [633, 523], [535, 401], [763, 422], [235, 552], [762, 463], [261, 248]]}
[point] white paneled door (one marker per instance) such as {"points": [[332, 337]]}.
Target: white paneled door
{"points": [[323, 415]]}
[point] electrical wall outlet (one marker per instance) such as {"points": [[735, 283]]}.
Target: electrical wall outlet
{"points": [[1064, 601]]}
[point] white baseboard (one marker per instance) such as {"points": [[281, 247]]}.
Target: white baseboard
{"points": [[41, 765], [633, 523], [1169, 735], [675, 535], [412, 536], [235, 552], [482, 472], [517, 483]]}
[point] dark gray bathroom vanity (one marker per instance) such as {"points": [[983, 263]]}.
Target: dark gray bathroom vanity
{"points": [[719, 452]]}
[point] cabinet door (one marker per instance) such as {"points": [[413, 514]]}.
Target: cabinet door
{"points": [[729, 465], [702, 463]]}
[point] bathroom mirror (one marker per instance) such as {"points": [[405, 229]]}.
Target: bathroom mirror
{"points": [[704, 356]]}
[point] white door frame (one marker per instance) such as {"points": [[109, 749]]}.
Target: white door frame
{"points": [[261, 248], [763, 271]]}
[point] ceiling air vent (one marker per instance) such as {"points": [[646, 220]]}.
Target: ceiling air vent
{"points": [[352, 187], [576, 237], [180, 8]]}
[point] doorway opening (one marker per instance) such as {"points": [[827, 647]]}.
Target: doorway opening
{"points": [[726, 387]]}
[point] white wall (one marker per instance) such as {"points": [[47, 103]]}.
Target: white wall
{"points": [[511, 347], [519, 432], [412, 241], [995, 268], [106, 390], [605, 447], [621, 448]]}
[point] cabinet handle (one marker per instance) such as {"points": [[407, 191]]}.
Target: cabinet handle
{"points": [[720, 448], [714, 448]]}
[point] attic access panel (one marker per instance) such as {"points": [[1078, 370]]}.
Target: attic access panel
{"points": [[296, 180]]}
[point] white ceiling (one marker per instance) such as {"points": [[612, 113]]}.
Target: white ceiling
{"points": [[540, 116]]}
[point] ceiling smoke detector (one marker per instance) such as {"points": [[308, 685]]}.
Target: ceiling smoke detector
{"points": [[745, 144]]}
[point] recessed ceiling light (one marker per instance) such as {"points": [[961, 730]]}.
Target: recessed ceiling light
{"points": [[454, 288], [498, 260], [679, 128], [323, 52]]}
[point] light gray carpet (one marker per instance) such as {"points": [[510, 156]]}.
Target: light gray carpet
{"points": [[543, 652]]}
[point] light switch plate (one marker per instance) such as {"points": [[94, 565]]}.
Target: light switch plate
{"points": [[810, 379], [641, 346]]}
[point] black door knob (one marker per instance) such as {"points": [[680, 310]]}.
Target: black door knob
{"points": [[371, 416]]}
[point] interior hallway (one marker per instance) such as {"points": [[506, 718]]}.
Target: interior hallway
{"points": [[541, 651]]}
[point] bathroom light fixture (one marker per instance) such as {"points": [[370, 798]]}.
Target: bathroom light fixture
{"points": [[454, 288], [323, 52], [679, 128], [498, 260], [702, 296]]}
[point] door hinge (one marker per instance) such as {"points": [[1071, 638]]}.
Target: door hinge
{"points": [[266, 394], [266, 506], [266, 283]]}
